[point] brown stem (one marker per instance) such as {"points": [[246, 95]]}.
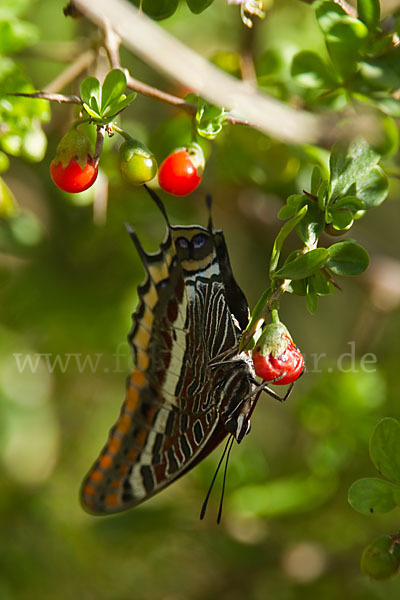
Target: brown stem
{"points": [[62, 98], [348, 9], [101, 130], [111, 44], [152, 92]]}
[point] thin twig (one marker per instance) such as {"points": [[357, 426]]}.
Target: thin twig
{"points": [[348, 9], [101, 130], [111, 44], [61, 98]]}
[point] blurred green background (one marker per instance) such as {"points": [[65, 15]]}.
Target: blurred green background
{"points": [[68, 287]]}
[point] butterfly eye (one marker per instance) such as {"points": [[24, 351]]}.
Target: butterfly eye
{"points": [[182, 242], [199, 240]]}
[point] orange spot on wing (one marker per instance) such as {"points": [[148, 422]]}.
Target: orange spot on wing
{"points": [[148, 318], [114, 445], [143, 360], [96, 475], [105, 461], [132, 397], [116, 483], [142, 338], [124, 424], [138, 378], [124, 469], [89, 490], [112, 500]]}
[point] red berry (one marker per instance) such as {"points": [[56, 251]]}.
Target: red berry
{"points": [[275, 357], [73, 179], [180, 173]]}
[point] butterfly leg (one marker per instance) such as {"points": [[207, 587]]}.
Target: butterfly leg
{"points": [[264, 387]]}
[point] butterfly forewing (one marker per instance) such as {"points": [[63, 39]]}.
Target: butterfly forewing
{"points": [[175, 402]]}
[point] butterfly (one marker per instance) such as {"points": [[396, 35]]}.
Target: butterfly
{"points": [[191, 386]]}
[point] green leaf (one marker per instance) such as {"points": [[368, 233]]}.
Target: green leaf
{"points": [[4, 162], [209, 119], [350, 202], [94, 105], [372, 495], [316, 180], [113, 87], [281, 237], [90, 88], [297, 200], [390, 106], [310, 71], [197, 6], [92, 113], [286, 212], [299, 287], [328, 13], [303, 266], [341, 218], [8, 204], [311, 227], [157, 9], [379, 74], [311, 299], [345, 40], [117, 107], [385, 448], [16, 34], [373, 188], [350, 163], [347, 258], [292, 206], [322, 195], [369, 11], [320, 284]]}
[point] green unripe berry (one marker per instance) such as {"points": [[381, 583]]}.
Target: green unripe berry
{"points": [[138, 165], [381, 558]]}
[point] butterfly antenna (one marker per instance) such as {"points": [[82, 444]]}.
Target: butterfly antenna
{"points": [[231, 440], [159, 204], [143, 255], [206, 499], [210, 225]]}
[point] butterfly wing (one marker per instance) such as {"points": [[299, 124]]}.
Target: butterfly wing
{"points": [[171, 417]]}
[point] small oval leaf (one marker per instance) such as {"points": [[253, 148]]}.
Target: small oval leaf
{"points": [[197, 6], [113, 87], [385, 448], [372, 495], [347, 258], [303, 266], [90, 87]]}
